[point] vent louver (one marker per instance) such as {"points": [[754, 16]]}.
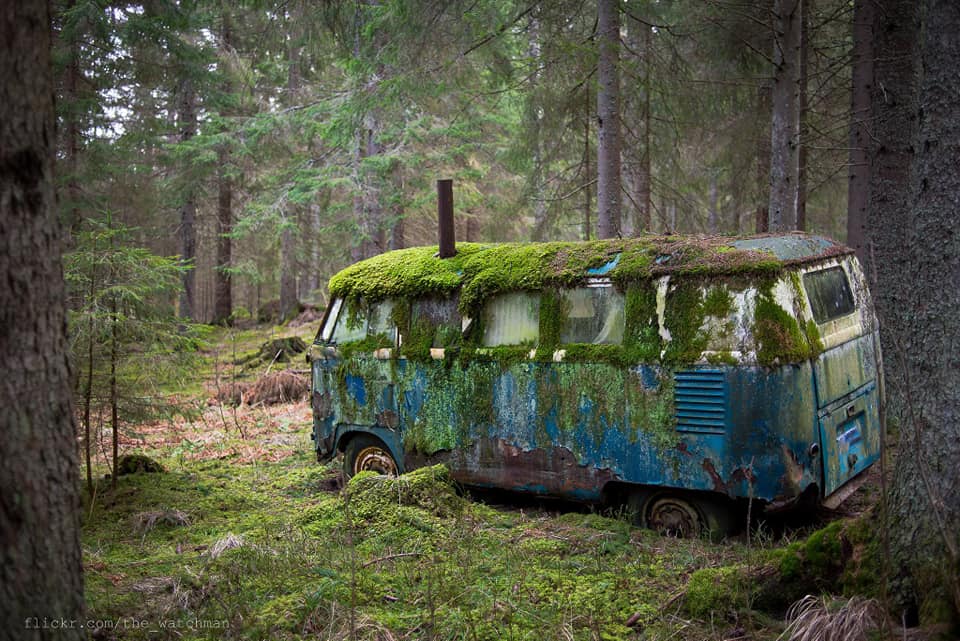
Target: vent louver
{"points": [[701, 401]]}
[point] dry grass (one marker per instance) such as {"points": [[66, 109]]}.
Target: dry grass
{"points": [[279, 387], [146, 521], [822, 619], [229, 542]]}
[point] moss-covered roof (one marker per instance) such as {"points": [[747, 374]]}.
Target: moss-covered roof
{"points": [[482, 270]]}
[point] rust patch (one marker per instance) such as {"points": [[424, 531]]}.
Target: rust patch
{"points": [[738, 475], [794, 472], [322, 404], [718, 483], [388, 419], [683, 449], [498, 463]]}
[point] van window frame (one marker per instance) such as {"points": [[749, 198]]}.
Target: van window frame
{"points": [[595, 283], [367, 308]]}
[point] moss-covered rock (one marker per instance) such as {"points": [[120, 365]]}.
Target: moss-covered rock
{"points": [[717, 591], [371, 496], [137, 464]]}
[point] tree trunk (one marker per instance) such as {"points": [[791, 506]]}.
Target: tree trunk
{"points": [[40, 561], [608, 119], [763, 162], [289, 303], [187, 116], [713, 214], [858, 189], [222, 287], [636, 151], [71, 102], [891, 152], [534, 118], [806, 6], [587, 205], [785, 117], [925, 505]]}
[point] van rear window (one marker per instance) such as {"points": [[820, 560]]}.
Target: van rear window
{"points": [[829, 294]]}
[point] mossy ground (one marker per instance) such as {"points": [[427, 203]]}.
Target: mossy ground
{"points": [[270, 546]]}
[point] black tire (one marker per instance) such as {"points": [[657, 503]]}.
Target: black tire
{"points": [[365, 452], [682, 515]]}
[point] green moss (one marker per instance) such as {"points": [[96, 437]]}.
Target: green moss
{"points": [[651, 411], [722, 358], [777, 333], [589, 353], [374, 496], [482, 271], [715, 592], [553, 313], [683, 317], [641, 340], [363, 346], [718, 302], [815, 563]]}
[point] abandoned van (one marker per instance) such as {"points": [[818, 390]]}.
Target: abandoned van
{"points": [[679, 375]]}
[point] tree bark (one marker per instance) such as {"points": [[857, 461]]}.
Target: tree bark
{"points": [[608, 119], [858, 189], [223, 282], [802, 129], [785, 117], [636, 150], [763, 163], [925, 505], [40, 560], [891, 153], [289, 302], [187, 117]]}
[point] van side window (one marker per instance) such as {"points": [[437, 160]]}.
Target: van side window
{"points": [[594, 315], [355, 322], [440, 318], [512, 319], [829, 294]]}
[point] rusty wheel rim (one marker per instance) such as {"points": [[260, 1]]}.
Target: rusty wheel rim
{"points": [[374, 459], [673, 517]]}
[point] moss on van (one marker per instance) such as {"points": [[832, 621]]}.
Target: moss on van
{"points": [[641, 337], [482, 271], [780, 340]]}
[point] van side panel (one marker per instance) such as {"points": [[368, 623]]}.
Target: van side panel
{"points": [[567, 429]]}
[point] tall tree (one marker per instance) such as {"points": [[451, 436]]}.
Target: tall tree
{"points": [[785, 123], [187, 120], [891, 153], [40, 560], [925, 505], [289, 304], [858, 192], [223, 281], [608, 119]]}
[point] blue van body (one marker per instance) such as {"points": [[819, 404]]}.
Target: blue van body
{"points": [[730, 417]]}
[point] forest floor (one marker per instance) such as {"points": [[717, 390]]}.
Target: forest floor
{"points": [[245, 536]]}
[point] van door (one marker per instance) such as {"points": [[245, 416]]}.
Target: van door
{"points": [[845, 373]]}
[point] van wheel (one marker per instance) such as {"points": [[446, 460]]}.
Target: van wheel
{"points": [[673, 516], [365, 452]]}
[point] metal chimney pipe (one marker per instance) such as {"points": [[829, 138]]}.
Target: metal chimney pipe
{"points": [[448, 243]]}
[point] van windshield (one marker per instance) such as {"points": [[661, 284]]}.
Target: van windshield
{"points": [[355, 323], [594, 315]]}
